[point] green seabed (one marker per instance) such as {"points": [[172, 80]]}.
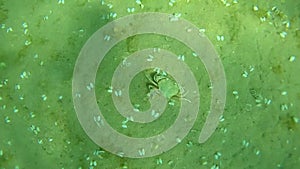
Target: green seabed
{"points": [[258, 43]]}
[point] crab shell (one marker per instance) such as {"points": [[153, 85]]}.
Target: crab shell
{"points": [[168, 87]]}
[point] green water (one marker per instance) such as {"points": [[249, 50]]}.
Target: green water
{"points": [[40, 42]]}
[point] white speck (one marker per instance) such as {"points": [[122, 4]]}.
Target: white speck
{"points": [[106, 37], [27, 42], [60, 97], [178, 140], [181, 57], [138, 2], [5, 81], [61, 2], [284, 107], [24, 25], [296, 119], [3, 26], [224, 129], [288, 24], [7, 119], [35, 129], [102, 2], [24, 75], [175, 17], [44, 97], [154, 114], [268, 101], [130, 10], [292, 58], [156, 49], [251, 68], [125, 121], [36, 56], [255, 8], [113, 14], [93, 164], [125, 63], [110, 89], [189, 144], [90, 86], [16, 110], [283, 93], [171, 2], [121, 154], [118, 93], [78, 95], [109, 6], [235, 92], [150, 58], [283, 34], [274, 8], [217, 155], [215, 166], [136, 109], [159, 161], [189, 29], [98, 121], [46, 18], [221, 119], [141, 152], [202, 30], [17, 87], [245, 74], [220, 38], [40, 141], [124, 126], [245, 143], [25, 31], [31, 115], [9, 29], [263, 19], [171, 103]]}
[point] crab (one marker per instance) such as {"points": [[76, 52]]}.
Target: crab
{"points": [[161, 81]]}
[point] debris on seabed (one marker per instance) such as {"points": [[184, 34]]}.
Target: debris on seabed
{"points": [[292, 58], [61, 2], [220, 38], [159, 161], [175, 17], [245, 143], [217, 155], [235, 94], [283, 34], [255, 8], [130, 10], [171, 2]]}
